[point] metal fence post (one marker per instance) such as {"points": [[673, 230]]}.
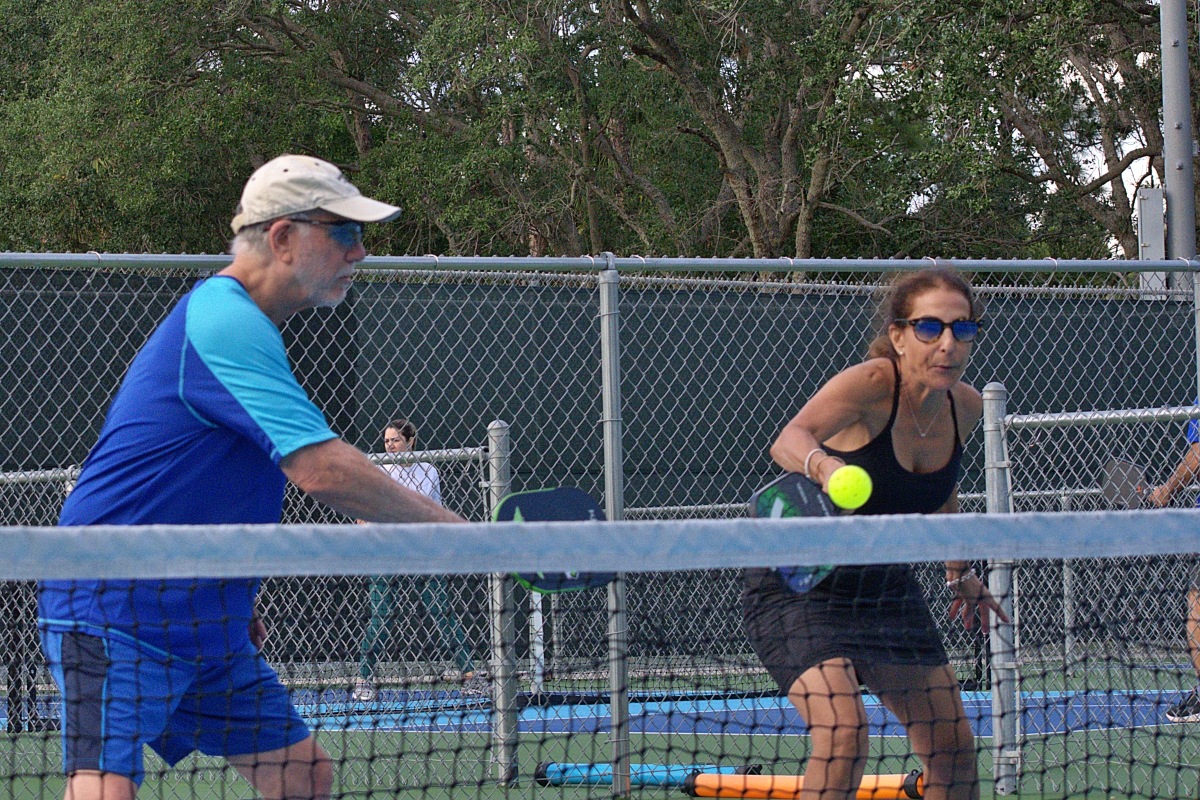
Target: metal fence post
{"points": [[614, 502], [537, 643], [1006, 746], [1068, 580], [503, 619], [1178, 179], [499, 463], [610, 375]]}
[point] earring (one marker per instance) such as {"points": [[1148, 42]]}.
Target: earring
{"points": [[899, 352]]}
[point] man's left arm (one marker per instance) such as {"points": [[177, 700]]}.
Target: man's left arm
{"points": [[343, 478]]}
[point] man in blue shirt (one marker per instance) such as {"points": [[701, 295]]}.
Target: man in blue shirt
{"points": [[1187, 709], [207, 428]]}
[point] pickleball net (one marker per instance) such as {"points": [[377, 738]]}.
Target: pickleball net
{"points": [[654, 678]]}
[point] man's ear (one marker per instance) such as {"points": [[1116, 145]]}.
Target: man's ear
{"points": [[281, 237]]}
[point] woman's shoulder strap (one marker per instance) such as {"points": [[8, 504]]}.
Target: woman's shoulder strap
{"points": [[954, 417], [895, 394]]}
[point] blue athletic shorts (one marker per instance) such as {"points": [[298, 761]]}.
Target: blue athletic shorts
{"points": [[118, 695]]}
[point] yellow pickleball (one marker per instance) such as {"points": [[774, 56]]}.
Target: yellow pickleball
{"points": [[849, 486]]}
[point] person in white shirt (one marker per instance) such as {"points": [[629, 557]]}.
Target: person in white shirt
{"points": [[399, 437]]}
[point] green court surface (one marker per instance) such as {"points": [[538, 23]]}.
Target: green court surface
{"points": [[1163, 761]]}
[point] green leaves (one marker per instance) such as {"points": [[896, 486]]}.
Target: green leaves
{"points": [[835, 127]]}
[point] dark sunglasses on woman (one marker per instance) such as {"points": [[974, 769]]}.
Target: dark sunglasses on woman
{"points": [[930, 329]]}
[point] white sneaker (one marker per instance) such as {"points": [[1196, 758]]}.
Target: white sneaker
{"points": [[1187, 709], [477, 684], [364, 691]]}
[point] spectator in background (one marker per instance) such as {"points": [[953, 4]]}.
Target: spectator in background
{"points": [[399, 437]]}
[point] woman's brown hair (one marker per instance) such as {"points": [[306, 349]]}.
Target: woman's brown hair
{"points": [[898, 303], [404, 428]]}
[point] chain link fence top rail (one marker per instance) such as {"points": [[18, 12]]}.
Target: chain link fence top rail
{"points": [[712, 367]]}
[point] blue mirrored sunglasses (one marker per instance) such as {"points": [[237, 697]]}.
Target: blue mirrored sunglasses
{"points": [[930, 329], [346, 234]]}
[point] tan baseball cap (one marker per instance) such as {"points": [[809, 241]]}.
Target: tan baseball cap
{"points": [[294, 184]]}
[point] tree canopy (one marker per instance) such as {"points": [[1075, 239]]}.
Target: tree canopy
{"points": [[955, 128]]}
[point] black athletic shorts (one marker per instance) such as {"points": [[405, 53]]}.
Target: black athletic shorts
{"points": [[868, 614]]}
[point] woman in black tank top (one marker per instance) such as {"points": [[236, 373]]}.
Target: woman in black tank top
{"points": [[902, 415]]}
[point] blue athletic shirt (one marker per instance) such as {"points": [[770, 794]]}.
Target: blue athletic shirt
{"points": [[195, 435]]}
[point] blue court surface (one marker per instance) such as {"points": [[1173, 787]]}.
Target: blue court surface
{"points": [[454, 712], [1041, 713]]}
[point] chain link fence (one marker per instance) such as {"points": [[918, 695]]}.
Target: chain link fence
{"points": [[712, 365], [1088, 624], [1085, 613]]}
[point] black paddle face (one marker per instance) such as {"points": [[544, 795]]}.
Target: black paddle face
{"points": [[793, 495], [544, 505], [565, 503]]}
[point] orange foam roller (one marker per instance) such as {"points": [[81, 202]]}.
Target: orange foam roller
{"points": [[787, 787]]}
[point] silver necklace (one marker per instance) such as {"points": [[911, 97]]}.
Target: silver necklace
{"points": [[916, 424]]}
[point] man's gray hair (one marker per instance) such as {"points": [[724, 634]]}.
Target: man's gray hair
{"points": [[250, 238]]}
